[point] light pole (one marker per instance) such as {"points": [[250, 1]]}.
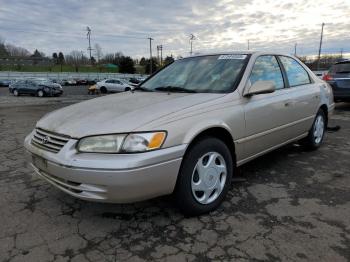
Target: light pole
{"points": [[192, 38], [248, 44], [88, 35], [160, 48], [319, 49], [150, 54]]}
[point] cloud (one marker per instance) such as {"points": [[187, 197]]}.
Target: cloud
{"points": [[219, 25]]}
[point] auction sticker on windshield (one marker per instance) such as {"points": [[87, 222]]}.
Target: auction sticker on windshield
{"points": [[227, 57]]}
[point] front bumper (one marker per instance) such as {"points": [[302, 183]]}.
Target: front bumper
{"points": [[116, 178]]}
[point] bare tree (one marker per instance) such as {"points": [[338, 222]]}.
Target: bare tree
{"points": [[98, 52], [17, 51], [74, 58], [3, 51]]}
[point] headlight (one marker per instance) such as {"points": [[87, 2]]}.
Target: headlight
{"points": [[101, 144], [141, 142], [123, 143]]}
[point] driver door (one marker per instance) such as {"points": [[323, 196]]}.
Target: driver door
{"points": [[267, 116]]}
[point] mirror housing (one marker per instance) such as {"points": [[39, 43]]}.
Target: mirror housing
{"points": [[261, 87]]}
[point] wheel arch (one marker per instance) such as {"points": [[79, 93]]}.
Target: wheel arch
{"points": [[219, 132], [324, 108]]}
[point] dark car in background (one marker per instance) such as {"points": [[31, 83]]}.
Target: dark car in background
{"points": [[338, 77], [38, 87], [5, 82]]}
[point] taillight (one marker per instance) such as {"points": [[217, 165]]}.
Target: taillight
{"points": [[327, 77]]}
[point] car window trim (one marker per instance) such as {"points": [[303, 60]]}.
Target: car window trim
{"points": [[290, 86], [285, 85], [284, 73]]}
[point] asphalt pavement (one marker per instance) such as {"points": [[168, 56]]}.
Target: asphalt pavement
{"points": [[293, 205]]}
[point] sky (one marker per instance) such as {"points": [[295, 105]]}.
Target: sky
{"points": [[219, 25]]}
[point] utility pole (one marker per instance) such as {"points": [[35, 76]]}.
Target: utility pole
{"points": [[88, 35], [158, 49], [161, 55], [248, 44], [319, 49], [192, 37], [341, 53], [295, 49], [150, 53]]}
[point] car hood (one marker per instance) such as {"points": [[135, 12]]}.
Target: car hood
{"points": [[119, 113]]}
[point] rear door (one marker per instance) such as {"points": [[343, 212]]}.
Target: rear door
{"points": [[108, 84], [304, 95], [25, 87], [117, 86]]}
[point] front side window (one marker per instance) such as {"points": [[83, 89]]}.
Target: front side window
{"points": [[266, 68], [296, 74], [206, 74]]}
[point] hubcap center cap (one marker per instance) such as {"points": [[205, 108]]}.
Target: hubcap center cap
{"points": [[211, 177]]}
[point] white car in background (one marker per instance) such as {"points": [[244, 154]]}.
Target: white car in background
{"points": [[113, 85]]}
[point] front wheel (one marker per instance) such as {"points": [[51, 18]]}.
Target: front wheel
{"points": [[316, 133], [205, 177], [103, 90], [40, 93]]}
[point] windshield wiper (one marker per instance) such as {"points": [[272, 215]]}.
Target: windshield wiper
{"points": [[142, 89], [174, 89]]}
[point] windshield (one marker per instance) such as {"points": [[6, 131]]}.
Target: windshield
{"points": [[206, 74]]}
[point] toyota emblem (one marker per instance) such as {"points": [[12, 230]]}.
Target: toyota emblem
{"points": [[45, 140]]}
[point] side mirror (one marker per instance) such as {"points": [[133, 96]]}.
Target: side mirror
{"points": [[261, 87]]}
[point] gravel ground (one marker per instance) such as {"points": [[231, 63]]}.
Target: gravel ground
{"points": [[293, 206]]}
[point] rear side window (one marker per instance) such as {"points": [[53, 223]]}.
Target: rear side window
{"points": [[266, 68], [343, 68], [296, 74]]}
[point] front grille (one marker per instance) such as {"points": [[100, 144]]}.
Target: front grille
{"points": [[49, 141]]}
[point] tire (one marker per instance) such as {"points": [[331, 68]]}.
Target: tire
{"points": [[209, 155], [103, 90], [316, 134], [15, 92], [40, 93], [127, 89]]}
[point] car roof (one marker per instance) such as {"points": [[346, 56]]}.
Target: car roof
{"points": [[343, 62], [241, 52]]}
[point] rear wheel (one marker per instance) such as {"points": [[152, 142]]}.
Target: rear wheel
{"points": [[205, 177], [103, 90], [15, 92], [317, 131]]}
